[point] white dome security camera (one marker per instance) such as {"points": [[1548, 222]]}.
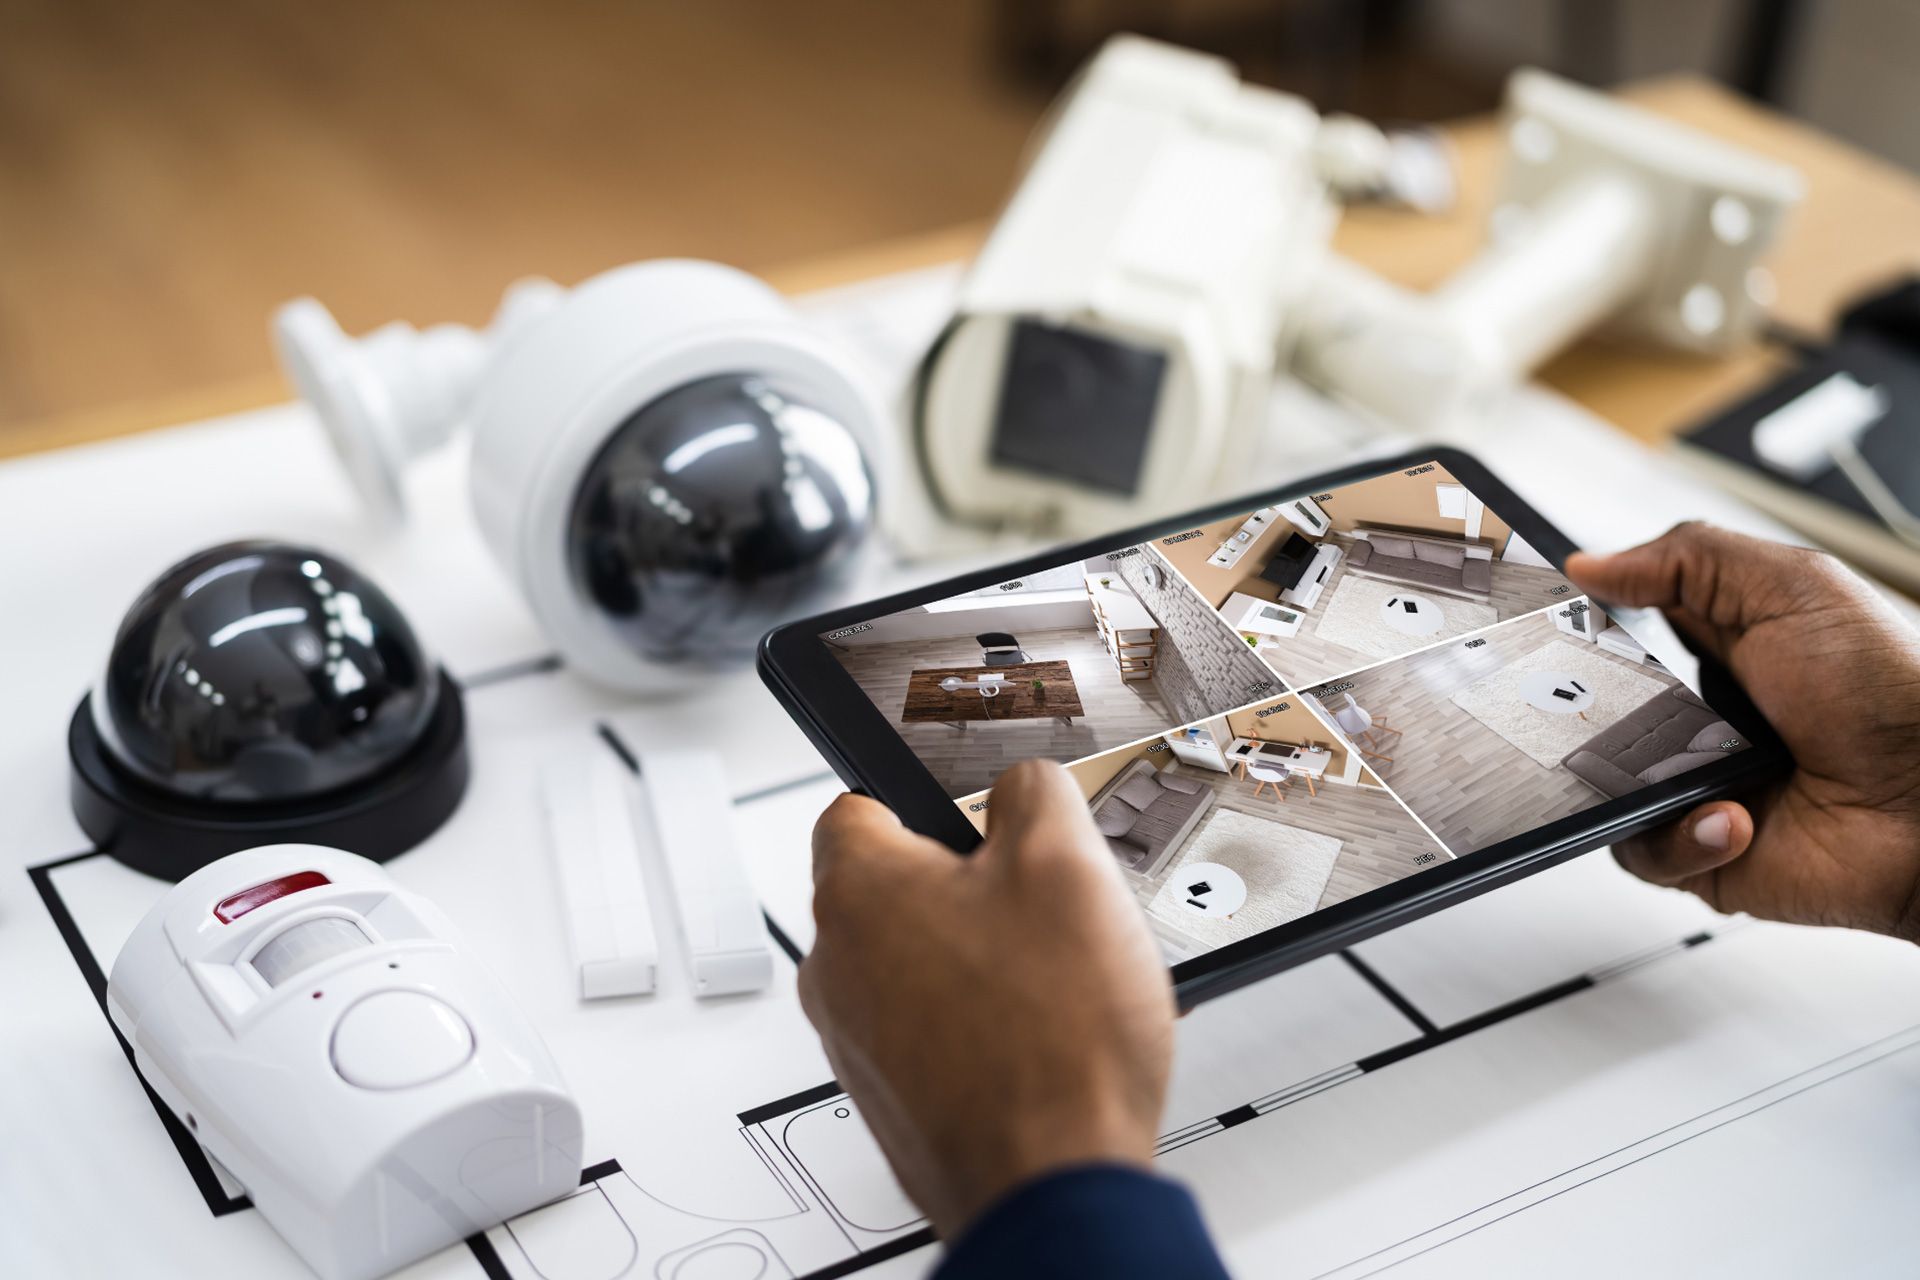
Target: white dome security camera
{"points": [[666, 459]]}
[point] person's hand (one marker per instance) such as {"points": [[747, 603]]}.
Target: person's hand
{"points": [[995, 1016], [1837, 675]]}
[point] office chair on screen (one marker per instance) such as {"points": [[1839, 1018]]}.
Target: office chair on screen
{"points": [[998, 649]]}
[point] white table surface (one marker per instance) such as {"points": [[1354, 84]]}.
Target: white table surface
{"points": [[1304, 760], [1744, 1106], [1428, 617]]}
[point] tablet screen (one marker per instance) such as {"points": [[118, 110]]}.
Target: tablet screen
{"points": [[1283, 709]]}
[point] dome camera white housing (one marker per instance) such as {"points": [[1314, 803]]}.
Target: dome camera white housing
{"points": [[666, 459]]}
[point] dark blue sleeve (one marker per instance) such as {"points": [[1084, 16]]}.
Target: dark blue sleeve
{"points": [[1098, 1220]]}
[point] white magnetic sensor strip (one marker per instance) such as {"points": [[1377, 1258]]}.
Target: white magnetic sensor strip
{"points": [[608, 917], [693, 814]]}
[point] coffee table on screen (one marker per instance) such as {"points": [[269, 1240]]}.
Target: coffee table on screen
{"points": [[1558, 692], [1411, 614], [1210, 889]]}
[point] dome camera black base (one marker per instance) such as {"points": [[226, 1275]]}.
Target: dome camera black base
{"points": [[172, 836]]}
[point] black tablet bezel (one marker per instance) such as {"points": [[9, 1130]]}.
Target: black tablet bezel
{"points": [[857, 740]]}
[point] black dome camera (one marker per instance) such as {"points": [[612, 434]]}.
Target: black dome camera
{"points": [[261, 693]]}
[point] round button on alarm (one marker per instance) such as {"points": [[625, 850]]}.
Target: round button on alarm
{"points": [[399, 1039]]}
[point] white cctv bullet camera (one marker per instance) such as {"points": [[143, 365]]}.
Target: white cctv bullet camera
{"points": [[1112, 345], [1166, 256], [665, 459]]}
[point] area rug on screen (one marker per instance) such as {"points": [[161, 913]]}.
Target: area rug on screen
{"points": [[1285, 870], [1353, 617], [1497, 702]]}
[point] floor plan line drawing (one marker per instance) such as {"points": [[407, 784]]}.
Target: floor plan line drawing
{"points": [[797, 1181], [766, 1128], [868, 1244], [1390, 992], [515, 1250], [588, 1188], [1601, 1166], [761, 1251], [506, 1252], [829, 1093], [825, 1194], [614, 1227], [766, 1161], [198, 1163], [200, 1167]]}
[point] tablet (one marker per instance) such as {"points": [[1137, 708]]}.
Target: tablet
{"points": [[1298, 719]]}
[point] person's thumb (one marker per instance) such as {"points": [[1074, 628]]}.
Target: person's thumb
{"points": [[1710, 837], [1719, 583], [1036, 809]]}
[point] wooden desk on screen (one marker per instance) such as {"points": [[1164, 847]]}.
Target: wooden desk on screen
{"points": [[1015, 699]]}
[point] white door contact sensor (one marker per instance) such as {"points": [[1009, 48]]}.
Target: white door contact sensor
{"points": [[609, 919], [726, 935]]}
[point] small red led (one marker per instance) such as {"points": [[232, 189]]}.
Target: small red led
{"points": [[227, 910]]}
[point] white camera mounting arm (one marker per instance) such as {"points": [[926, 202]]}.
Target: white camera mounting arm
{"points": [[1608, 217], [399, 392]]}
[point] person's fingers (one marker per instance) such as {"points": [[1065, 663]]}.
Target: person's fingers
{"points": [[1726, 581], [1709, 837]]}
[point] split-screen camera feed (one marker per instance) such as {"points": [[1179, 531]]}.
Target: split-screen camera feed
{"points": [[1285, 709]]}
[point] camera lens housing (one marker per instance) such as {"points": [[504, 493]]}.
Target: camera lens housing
{"points": [[669, 463], [258, 693]]}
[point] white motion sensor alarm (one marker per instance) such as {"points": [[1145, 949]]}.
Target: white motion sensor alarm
{"points": [[666, 459], [322, 1033]]}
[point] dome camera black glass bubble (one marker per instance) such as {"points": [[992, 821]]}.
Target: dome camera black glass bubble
{"points": [[263, 672], [715, 511]]}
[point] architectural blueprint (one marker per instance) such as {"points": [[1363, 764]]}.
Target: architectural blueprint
{"points": [[1577, 1074]]}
